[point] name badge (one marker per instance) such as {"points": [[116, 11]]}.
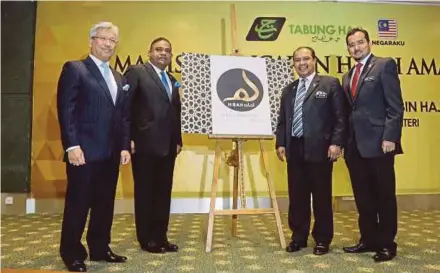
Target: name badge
{"points": [[369, 79], [320, 95]]}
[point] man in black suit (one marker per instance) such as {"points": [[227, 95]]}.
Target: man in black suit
{"points": [[374, 98], [95, 132], [310, 133], [156, 141]]}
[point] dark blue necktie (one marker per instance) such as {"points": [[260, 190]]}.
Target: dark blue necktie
{"points": [[165, 83]]}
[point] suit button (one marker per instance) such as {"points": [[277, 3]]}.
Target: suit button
{"points": [[354, 107]]}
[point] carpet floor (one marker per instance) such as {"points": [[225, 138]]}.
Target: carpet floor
{"points": [[32, 242]]}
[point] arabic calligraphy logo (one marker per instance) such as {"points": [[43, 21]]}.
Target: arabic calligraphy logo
{"points": [[240, 90], [265, 29]]}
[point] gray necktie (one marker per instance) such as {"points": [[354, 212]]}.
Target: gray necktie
{"points": [[108, 80], [297, 123]]}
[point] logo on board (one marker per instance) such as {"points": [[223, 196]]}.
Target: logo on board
{"points": [[265, 29], [240, 89]]}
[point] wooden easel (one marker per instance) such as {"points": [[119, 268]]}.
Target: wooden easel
{"points": [[238, 181], [236, 160]]}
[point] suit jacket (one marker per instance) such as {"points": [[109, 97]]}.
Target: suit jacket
{"points": [[376, 112], [86, 112], [323, 117], [155, 119]]}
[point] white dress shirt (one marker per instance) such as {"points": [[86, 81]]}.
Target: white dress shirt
{"points": [[158, 71], [309, 80], [363, 62]]}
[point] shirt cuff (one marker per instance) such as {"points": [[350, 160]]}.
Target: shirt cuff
{"points": [[72, 148]]}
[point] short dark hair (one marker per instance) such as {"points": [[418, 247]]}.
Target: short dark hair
{"points": [[305, 47], [158, 40], [357, 29]]}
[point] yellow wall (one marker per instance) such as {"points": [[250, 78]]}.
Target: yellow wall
{"points": [[204, 27]]}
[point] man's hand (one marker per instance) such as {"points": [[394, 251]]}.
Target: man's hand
{"points": [[179, 149], [388, 146], [125, 157], [76, 157], [281, 153], [334, 151], [133, 150]]}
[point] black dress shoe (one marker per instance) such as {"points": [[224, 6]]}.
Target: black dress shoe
{"points": [[294, 246], [320, 249], [359, 248], [109, 256], [383, 255], [76, 266], [169, 247], [154, 247]]}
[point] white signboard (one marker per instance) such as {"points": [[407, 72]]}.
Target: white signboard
{"points": [[239, 96]]}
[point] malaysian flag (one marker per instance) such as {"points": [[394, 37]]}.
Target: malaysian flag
{"points": [[387, 28]]}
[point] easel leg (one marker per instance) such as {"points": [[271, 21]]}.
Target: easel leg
{"points": [[217, 161], [235, 201], [273, 197], [335, 204]]}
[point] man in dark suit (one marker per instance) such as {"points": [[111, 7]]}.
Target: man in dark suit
{"points": [[95, 132], [156, 141], [374, 98], [310, 133]]}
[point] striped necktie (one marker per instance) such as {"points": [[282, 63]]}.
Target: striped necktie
{"points": [[297, 123]]}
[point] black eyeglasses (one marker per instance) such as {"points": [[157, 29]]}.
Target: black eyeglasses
{"points": [[105, 39]]}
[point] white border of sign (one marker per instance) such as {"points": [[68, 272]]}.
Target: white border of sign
{"points": [[226, 121]]}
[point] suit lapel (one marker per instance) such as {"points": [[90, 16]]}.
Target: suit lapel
{"points": [[174, 89], [292, 89], [158, 81], [91, 66], [370, 63], [346, 85], [312, 86]]}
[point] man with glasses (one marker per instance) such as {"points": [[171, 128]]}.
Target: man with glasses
{"points": [[94, 121], [310, 133], [374, 99], [156, 141]]}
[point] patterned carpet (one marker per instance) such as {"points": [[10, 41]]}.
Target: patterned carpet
{"points": [[31, 241]]}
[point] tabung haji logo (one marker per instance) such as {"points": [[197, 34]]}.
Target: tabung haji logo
{"points": [[387, 32], [240, 90], [265, 29], [321, 33]]}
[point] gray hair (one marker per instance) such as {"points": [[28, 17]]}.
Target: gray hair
{"points": [[103, 25]]}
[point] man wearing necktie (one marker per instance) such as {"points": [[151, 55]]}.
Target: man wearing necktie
{"points": [[310, 133], [94, 117], [374, 99], [156, 141]]}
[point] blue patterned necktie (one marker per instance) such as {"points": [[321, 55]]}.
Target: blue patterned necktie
{"points": [[165, 83], [297, 123], [108, 80]]}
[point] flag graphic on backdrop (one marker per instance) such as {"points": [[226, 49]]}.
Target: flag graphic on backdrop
{"points": [[387, 28]]}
